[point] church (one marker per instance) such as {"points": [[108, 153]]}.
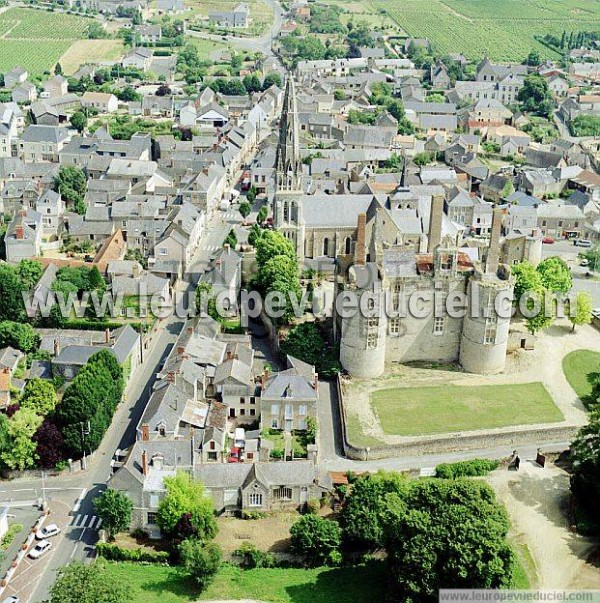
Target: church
{"points": [[393, 246]]}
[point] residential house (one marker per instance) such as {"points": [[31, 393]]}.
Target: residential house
{"points": [[51, 207], [104, 102], [42, 143], [24, 93], [23, 238], [148, 34], [56, 86], [14, 77], [238, 17], [140, 58]]}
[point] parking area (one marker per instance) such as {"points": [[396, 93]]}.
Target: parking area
{"points": [[29, 572]]}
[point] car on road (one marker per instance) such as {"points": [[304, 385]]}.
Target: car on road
{"points": [[12, 599], [548, 241], [582, 243], [40, 548], [48, 532], [584, 262]]}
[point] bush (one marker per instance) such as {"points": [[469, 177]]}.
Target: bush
{"points": [[253, 515], [113, 552], [474, 468], [201, 561], [313, 506], [251, 557], [316, 538]]}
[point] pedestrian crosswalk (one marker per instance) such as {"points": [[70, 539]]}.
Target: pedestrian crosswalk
{"points": [[91, 522], [211, 248], [232, 214]]}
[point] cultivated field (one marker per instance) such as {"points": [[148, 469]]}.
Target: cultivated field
{"points": [[35, 39], [505, 30], [89, 51], [413, 411]]}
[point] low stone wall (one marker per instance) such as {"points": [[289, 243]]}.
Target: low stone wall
{"points": [[455, 442]]}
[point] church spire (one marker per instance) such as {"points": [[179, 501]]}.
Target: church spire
{"points": [[288, 164]]}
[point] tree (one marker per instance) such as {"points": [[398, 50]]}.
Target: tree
{"points": [[271, 79], [339, 94], [245, 209], [114, 508], [316, 538], [49, 444], [71, 184], [201, 561], [262, 215], [163, 90], [88, 583], [58, 69], [527, 278], [446, 534], [29, 272], [231, 239], [555, 275], [422, 159], [79, 121], [254, 235], [21, 336], [20, 430], [585, 454], [546, 314], [39, 395], [362, 517], [129, 94], [536, 96], [186, 495], [11, 300], [533, 59], [583, 311], [252, 83]]}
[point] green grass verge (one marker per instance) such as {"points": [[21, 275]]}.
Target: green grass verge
{"points": [[163, 584], [355, 434], [577, 366], [525, 573], [415, 411]]}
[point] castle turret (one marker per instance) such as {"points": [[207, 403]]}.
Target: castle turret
{"points": [[485, 329]]}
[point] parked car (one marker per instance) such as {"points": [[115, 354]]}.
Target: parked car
{"points": [[584, 262], [548, 240], [12, 599], [48, 531], [582, 243], [40, 548]]}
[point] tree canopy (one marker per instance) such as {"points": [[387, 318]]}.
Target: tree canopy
{"points": [[21, 336], [555, 275], [186, 495], [114, 508], [317, 539], [536, 96], [71, 184]]}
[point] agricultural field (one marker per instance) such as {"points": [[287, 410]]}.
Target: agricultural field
{"points": [[90, 51], [505, 31], [261, 14], [36, 39]]}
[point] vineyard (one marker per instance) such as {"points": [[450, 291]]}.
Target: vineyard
{"points": [[36, 39], [505, 30]]}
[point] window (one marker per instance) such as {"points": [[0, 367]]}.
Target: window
{"points": [[242, 412], [242, 400], [252, 400], [154, 500], [250, 455], [372, 340], [302, 410], [212, 456], [255, 499], [490, 331], [282, 493], [394, 327], [274, 424], [253, 412], [438, 325], [163, 251], [151, 518], [325, 246], [212, 445], [274, 409]]}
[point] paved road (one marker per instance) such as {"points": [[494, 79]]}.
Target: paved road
{"points": [[259, 44]]}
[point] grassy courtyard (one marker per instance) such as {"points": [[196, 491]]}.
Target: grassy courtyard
{"points": [[577, 366], [163, 584], [416, 411]]}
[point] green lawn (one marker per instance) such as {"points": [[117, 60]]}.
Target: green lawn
{"points": [[428, 410], [577, 366], [162, 584]]}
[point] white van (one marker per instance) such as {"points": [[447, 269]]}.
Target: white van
{"points": [[583, 243]]}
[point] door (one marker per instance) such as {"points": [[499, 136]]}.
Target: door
{"points": [[303, 494]]}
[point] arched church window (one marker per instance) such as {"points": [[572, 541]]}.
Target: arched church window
{"points": [[325, 246], [348, 246]]}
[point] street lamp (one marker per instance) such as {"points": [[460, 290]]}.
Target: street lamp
{"points": [[84, 432]]}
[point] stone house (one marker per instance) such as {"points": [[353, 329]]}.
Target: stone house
{"points": [[57, 86], [42, 143], [23, 238], [14, 77], [24, 93], [105, 103]]}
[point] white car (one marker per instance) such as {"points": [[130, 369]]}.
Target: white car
{"points": [[48, 532], [12, 599], [40, 548]]}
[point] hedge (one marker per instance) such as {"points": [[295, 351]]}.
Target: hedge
{"points": [[474, 468], [113, 552]]}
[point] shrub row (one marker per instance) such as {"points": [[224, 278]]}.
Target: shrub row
{"points": [[473, 468], [113, 552]]}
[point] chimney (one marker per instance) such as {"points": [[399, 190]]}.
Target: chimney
{"points": [[106, 335], [136, 270], [180, 349], [360, 254], [316, 382], [436, 215], [190, 330], [229, 355], [19, 232], [171, 377], [144, 462], [56, 347], [145, 432], [493, 254]]}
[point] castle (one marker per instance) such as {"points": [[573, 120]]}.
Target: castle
{"points": [[392, 249]]}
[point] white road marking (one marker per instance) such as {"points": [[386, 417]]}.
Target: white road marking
{"points": [[78, 503]]}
